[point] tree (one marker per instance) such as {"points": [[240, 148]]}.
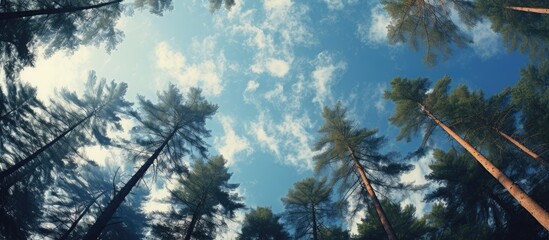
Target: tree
{"points": [[524, 31], [260, 223], [352, 151], [429, 22], [413, 111], [531, 97], [201, 202], [484, 121], [167, 131], [76, 198], [54, 25], [53, 10], [308, 205], [475, 205], [406, 224], [97, 109], [334, 233]]}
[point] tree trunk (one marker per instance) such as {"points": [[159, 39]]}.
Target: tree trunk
{"points": [[315, 227], [382, 217], [30, 13], [82, 214], [28, 159], [95, 230], [524, 200], [523, 148], [530, 9], [190, 229]]}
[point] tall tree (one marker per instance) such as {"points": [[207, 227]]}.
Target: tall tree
{"points": [[414, 110], [167, 131], [531, 96], [430, 23], [526, 32], [201, 202], [353, 150], [54, 25], [475, 205], [308, 206], [97, 109], [483, 122], [260, 223], [406, 224]]}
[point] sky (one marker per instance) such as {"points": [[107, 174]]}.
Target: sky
{"points": [[271, 66]]}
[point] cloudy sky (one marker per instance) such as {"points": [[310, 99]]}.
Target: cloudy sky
{"points": [[271, 66]]}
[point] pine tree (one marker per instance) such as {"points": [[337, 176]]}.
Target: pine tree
{"points": [[430, 23], [414, 111], [344, 145], [260, 223], [167, 131], [201, 202], [308, 207], [406, 224]]}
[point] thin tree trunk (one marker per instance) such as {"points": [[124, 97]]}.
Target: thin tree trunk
{"points": [[28, 159], [82, 214], [524, 200], [315, 227], [30, 13], [15, 109], [95, 230], [190, 229], [530, 9], [382, 217], [523, 148]]}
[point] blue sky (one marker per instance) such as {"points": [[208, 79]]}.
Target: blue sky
{"points": [[271, 66]]}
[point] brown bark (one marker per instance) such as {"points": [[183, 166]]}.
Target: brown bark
{"points": [[524, 200], [95, 230], [523, 148], [30, 13], [381, 214], [530, 9]]}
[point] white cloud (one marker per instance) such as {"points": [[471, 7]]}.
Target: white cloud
{"points": [[353, 219], [251, 86], [271, 5], [323, 76], [278, 67], [417, 176], [276, 94], [486, 42], [259, 130], [206, 74], [374, 32], [231, 144], [46, 77], [289, 140]]}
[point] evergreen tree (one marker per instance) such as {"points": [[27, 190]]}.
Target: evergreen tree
{"points": [[524, 31], [414, 111], [97, 109], [407, 226], [167, 131], [201, 202], [261, 224], [308, 207], [54, 25], [531, 97], [430, 23], [352, 151]]}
